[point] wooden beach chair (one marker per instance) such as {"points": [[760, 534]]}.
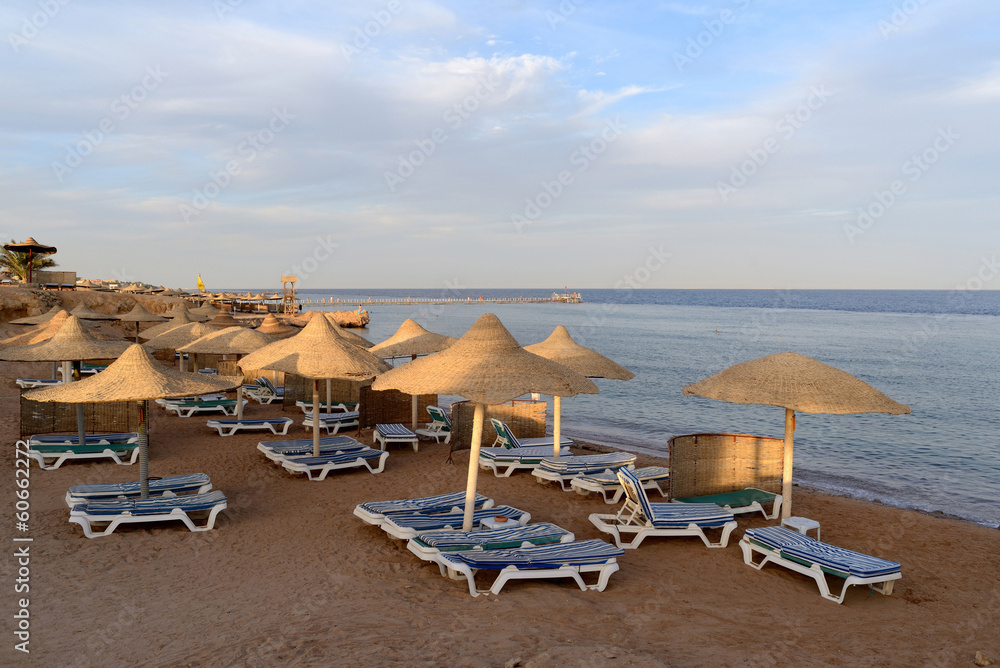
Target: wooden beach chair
{"points": [[810, 557], [375, 512], [559, 560], [640, 519], [101, 517], [194, 483], [651, 477], [277, 426], [317, 468], [438, 427], [564, 469], [385, 434], [407, 525]]}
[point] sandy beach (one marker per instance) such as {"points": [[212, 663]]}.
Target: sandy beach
{"points": [[291, 577]]}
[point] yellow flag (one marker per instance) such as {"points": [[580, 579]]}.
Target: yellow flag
{"points": [[201, 284]]}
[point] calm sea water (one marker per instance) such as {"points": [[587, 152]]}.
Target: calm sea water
{"points": [[936, 351]]}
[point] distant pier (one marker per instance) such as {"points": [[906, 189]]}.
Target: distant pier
{"points": [[556, 298]]}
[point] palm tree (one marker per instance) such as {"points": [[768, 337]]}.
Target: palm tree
{"points": [[17, 263]]}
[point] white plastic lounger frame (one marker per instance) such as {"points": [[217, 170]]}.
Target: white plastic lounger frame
{"points": [[563, 471], [439, 426], [777, 544], [28, 383], [277, 426], [343, 407], [406, 526], [186, 410], [752, 507], [516, 459], [607, 483], [385, 434], [562, 564], [542, 533], [333, 422], [193, 483], [134, 511], [124, 454], [640, 519], [375, 512], [506, 438], [278, 451], [317, 468]]}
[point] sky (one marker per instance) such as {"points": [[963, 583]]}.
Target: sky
{"points": [[395, 143]]}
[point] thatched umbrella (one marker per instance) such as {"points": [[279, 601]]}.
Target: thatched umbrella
{"points": [[172, 323], [181, 310], [316, 352], [206, 310], [139, 314], [32, 248], [136, 376], [271, 325], [230, 341], [71, 343], [412, 340], [84, 312], [486, 366], [796, 383], [348, 334], [38, 319], [560, 347], [39, 333], [178, 337], [223, 320]]}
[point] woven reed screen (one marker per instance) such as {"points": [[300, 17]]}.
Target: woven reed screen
{"points": [[298, 388], [38, 417], [524, 417], [392, 406], [231, 368], [702, 464]]}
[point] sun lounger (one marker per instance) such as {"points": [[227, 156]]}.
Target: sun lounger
{"points": [[52, 455], [163, 403], [278, 426], [438, 427], [108, 514], [805, 555], [28, 383], [186, 409], [374, 512], [641, 519], [194, 483], [264, 391], [506, 438], [279, 450], [564, 469], [607, 482], [89, 439], [742, 501], [208, 372], [560, 560], [430, 544], [385, 434], [316, 468], [342, 407], [516, 459], [406, 526], [334, 422]]}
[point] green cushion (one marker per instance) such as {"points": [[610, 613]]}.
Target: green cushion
{"points": [[737, 499]]}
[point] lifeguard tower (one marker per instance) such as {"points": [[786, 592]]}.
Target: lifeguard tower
{"points": [[288, 301]]}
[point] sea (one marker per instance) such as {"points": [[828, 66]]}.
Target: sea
{"points": [[936, 351]]}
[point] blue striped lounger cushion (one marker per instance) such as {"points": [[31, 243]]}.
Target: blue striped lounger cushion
{"points": [[542, 556], [338, 417], [519, 454], [421, 522], [93, 439], [492, 539], [158, 506], [304, 446], [337, 458], [679, 515], [645, 474], [391, 431], [777, 538], [428, 504], [587, 463], [837, 559], [173, 483]]}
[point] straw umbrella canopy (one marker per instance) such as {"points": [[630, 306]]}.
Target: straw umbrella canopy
{"points": [[84, 312], [271, 325], [486, 366], [178, 337], [38, 333], [796, 383], [71, 343], [230, 341], [38, 319], [136, 376], [412, 340], [181, 310], [224, 319], [560, 347], [139, 314], [207, 309], [348, 334], [32, 248], [317, 353], [172, 323]]}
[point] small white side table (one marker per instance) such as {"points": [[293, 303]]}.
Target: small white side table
{"points": [[491, 523], [801, 524]]}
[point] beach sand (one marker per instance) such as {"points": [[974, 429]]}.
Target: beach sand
{"points": [[291, 577]]}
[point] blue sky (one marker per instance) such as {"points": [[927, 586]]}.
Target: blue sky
{"points": [[729, 144]]}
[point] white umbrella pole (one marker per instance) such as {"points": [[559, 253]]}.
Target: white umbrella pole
{"points": [[316, 417], [470, 490], [556, 424], [329, 396], [786, 471], [67, 372]]}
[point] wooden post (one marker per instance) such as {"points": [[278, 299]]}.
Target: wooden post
{"points": [[786, 471], [315, 417], [470, 489], [556, 424]]}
